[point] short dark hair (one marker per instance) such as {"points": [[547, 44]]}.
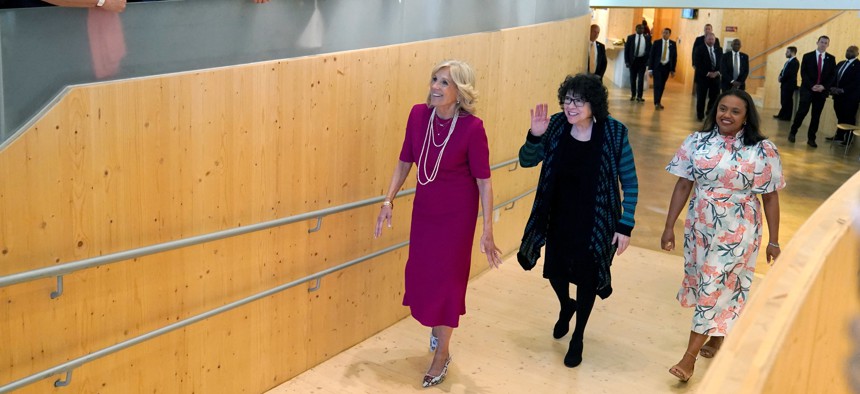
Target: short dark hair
{"points": [[667, 29], [819, 38], [752, 124], [590, 88], [793, 50]]}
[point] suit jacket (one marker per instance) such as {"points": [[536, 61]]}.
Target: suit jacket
{"points": [[809, 71], [631, 43], [600, 67], [789, 75], [700, 42], [727, 69], [702, 62], [850, 81], [657, 54]]}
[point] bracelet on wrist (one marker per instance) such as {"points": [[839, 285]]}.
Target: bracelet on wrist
{"points": [[775, 245], [388, 203]]}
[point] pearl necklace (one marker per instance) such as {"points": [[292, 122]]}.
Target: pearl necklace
{"points": [[429, 138]]}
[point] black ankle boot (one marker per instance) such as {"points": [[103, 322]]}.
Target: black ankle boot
{"points": [[574, 354], [562, 326]]}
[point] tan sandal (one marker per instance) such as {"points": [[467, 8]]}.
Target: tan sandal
{"points": [[709, 351], [680, 373]]}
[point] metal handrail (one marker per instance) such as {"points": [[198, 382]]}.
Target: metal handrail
{"points": [[62, 269], [70, 365], [758, 66]]}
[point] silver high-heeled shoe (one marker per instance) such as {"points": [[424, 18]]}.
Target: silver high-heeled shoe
{"points": [[430, 380]]}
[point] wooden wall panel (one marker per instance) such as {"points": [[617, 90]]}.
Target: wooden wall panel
{"points": [[619, 24], [663, 18], [794, 335], [132, 163], [819, 341]]}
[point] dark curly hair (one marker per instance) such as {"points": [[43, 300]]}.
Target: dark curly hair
{"points": [[752, 123], [591, 89]]}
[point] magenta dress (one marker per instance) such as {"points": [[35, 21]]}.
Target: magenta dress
{"points": [[444, 216]]}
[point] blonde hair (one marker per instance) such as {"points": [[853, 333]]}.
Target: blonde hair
{"points": [[464, 78]]}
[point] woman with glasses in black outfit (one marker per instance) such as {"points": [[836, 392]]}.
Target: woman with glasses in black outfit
{"points": [[578, 211]]}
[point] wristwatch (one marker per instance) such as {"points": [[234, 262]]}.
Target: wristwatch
{"points": [[100, 3]]}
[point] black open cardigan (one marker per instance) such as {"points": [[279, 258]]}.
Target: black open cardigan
{"points": [[615, 164]]}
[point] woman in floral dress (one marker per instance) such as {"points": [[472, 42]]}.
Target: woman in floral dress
{"points": [[727, 165]]}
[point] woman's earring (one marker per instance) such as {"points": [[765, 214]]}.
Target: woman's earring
{"points": [[745, 123]]}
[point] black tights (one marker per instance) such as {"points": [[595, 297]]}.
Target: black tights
{"points": [[585, 296]]}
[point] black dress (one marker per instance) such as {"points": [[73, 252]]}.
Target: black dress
{"points": [[571, 217]]}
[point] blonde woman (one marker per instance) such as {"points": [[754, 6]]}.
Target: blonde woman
{"points": [[448, 145]]}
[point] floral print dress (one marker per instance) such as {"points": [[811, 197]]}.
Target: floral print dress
{"points": [[722, 232]]}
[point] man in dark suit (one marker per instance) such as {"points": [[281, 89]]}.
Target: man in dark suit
{"points": [[596, 53], [846, 92], [817, 73], [734, 68], [788, 84], [700, 42], [661, 64], [707, 75], [636, 51]]}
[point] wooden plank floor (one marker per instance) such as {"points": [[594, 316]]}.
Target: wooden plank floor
{"points": [[504, 344]]}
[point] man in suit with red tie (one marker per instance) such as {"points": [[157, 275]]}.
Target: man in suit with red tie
{"points": [[734, 68], [596, 54], [661, 65], [817, 73], [707, 75], [636, 51], [846, 92], [788, 84]]}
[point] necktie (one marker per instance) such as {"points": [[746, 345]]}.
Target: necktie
{"points": [[713, 59], [842, 70], [665, 57], [588, 60], [818, 81], [636, 47], [735, 66], [784, 66]]}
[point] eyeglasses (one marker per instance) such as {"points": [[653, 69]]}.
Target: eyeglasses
{"points": [[576, 101]]}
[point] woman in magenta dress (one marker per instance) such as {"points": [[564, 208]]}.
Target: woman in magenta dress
{"points": [[448, 145]]}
